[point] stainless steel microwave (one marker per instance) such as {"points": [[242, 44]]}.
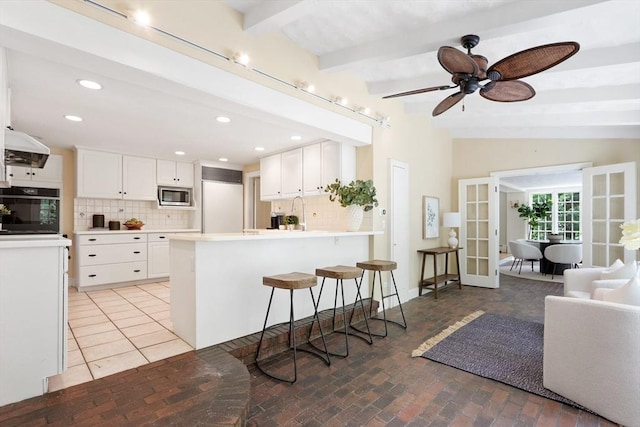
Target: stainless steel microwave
{"points": [[174, 196]]}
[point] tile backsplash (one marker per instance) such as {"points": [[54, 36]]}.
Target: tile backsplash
{"points": [[321, 213], [122, 210]]}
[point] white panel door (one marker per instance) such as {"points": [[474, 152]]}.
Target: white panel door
{"points": [[479, 207], [609, 199], [399, 228]]}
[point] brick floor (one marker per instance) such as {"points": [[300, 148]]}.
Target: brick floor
{"points": [[377, 385]]}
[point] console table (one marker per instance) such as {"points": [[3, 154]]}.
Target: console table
{"points": [[439, 279]]}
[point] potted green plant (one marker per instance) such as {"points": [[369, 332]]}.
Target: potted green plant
{"points": [[3, 211], [291, 221], [358, 197], [534, 213]]}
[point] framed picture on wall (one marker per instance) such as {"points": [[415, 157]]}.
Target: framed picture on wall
{"points": [[430, 217]]}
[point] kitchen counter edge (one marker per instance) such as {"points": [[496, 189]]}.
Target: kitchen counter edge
{"points": [[150, 230], [221, 237]]}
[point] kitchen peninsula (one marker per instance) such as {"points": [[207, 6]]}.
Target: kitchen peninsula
{"points": [[216, 279]]}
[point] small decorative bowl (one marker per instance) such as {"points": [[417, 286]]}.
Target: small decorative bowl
{"points": [[136, 226]]}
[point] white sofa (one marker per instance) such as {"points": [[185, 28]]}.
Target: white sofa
{"points": [[592, 355]]}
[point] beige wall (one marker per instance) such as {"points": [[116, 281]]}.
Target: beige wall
{"points": [[478, 158]]}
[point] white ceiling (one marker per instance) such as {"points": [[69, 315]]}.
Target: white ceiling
{"points": [[391, 45]]}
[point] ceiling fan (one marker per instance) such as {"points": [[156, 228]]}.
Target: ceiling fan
{"points": [[468, 71]]}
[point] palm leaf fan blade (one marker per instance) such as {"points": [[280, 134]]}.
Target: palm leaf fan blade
{"points": [[532, 61], [509, 91]]}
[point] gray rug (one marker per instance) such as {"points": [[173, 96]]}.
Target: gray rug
{"points": [[494, 346]]}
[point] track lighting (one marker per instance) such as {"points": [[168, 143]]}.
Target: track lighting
{"points": [[241, 58], [307, 87]]}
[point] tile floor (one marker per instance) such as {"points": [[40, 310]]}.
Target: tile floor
{"points": [[114, 330]]}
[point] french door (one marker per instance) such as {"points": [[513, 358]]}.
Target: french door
{"points": [[609, 199], [479, 207]]}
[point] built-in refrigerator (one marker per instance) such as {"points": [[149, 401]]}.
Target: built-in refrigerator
{"points": [[221, 207]]}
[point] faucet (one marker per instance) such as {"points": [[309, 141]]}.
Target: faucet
{"points": [[303, 224]]}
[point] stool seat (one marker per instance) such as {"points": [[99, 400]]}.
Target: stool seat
{"points": [[377, 265], [290, 281], [339, 272]]}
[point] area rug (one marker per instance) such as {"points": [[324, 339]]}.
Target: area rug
{"points": [[526, 273], [494, 346]]}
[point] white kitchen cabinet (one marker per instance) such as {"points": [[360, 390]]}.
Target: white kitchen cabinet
{"points": [[139, 178], [158, 255], [178, 174], [104, 258], [325, 162], [33, 315], [106, 175], [48, 176], [270, 177], [281, 175], [291, 173]]}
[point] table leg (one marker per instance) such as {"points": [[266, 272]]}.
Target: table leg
{"points": [[420, 285], [435, 275], [458, 268]]}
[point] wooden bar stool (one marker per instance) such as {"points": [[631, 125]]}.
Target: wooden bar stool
{"points": [[378, 266], [341, 272], [291, 282]]}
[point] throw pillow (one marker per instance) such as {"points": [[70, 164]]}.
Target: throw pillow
{"points": [[625, 272], [627, 294]]}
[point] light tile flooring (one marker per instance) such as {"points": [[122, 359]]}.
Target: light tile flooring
{"points": [[114, 330]]}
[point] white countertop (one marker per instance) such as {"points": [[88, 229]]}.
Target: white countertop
{"points": [[144, 230], [269, 234], [33, 241]]}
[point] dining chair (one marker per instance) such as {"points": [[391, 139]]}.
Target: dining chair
{"points": [[570, 253], [523, 252]]}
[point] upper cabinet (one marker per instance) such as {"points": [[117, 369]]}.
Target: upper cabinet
{"points": [[325, 162], [178, 174], [47, 177], [106, 175], [281, 175], [306, 171]]}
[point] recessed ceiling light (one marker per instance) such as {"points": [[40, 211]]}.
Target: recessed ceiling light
{"points": [[259, 148], [142, 18], [89, 84], [241, 58], [296, 138], [73, 118], [223, 159], [223, 119], [179, 153]]}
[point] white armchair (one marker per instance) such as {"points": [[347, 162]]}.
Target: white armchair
{"points": [[592, 355], [581, 283]]}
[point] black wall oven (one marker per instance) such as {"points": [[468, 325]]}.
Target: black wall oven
{"points": [[33, 210]]}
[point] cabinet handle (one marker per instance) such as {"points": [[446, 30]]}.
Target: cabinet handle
{"points": [[92, 240], [11, 175], [136, 238], [92, 255], [136, 271], [92, 275], [119, 192], [136, 252], [33, 174], [160, 237]]}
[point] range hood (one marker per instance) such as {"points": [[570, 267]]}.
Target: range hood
{"points": [[22, 150]]}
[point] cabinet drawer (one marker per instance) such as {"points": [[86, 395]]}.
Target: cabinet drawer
{"points": [[108, 254], [105, 239], [112, 273], [158, 237]]}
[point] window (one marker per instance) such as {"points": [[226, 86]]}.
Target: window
{"points": [[564, 218]]}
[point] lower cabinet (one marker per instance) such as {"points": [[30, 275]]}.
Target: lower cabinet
{"points": [[158, 255], [105, 258], [111, 258]]}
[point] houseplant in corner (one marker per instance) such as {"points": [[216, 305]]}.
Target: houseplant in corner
{"points": [[358, 197], [534, 213]]}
